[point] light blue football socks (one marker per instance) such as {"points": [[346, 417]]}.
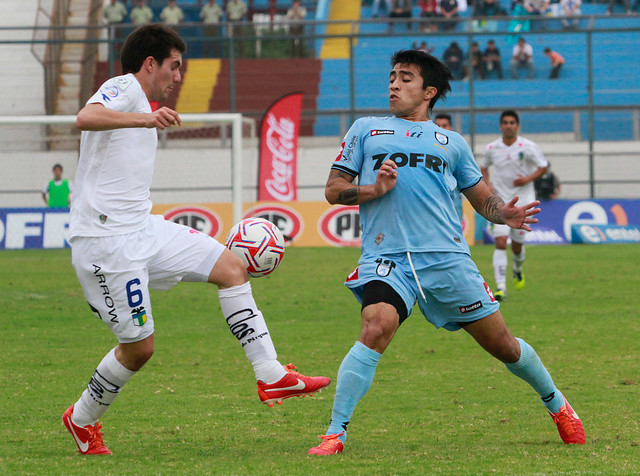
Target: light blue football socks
{"points": [[530, 369], [354, 379]]}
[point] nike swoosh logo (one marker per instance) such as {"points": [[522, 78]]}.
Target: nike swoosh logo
{"points": [[84, 446], [299, 386]]}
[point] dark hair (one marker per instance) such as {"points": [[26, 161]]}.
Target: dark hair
{"points": [[547, 50], [443, 115], [510, 113], [433, 71], [57, 166], [149, 40]]}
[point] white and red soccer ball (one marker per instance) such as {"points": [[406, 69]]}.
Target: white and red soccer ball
{"points": [[259, 243]]}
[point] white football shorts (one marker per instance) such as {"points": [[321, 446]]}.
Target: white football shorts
{"points": [[519, 236], [116, 272]]}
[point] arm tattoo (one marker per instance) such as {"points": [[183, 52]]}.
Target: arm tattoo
{"points": [[492, 208], [350, 196]]}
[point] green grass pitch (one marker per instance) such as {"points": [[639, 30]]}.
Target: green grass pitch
{"points": [[438, 405]]}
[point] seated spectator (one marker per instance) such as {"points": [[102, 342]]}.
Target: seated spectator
{"points": [[537, 8], [375, 8], [492, 59], [476, 67], [556, 62], [487, 8], [428, 9], [569, 9], [422, 47], [453, 57], [518, 24], [626, 3], [400, 9], [449, 10], [522, 57]]}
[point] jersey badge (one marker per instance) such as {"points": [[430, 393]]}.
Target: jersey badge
{"points": [[123, 82], [108, 93], [440, 137], [520, 155], [382, 132], [384, 267], [379, 239]]}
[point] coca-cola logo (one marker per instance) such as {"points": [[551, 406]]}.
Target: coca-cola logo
{"points": [[199, 218], [286, 219], [340, 226], [280, 142]]}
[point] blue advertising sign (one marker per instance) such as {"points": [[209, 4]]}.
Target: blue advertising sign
{"points": [[559, 216], [29, 228], [601, 234]]}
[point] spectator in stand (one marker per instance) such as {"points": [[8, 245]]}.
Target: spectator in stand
{"points": [[492, 59], [211, 14], [428, 9], [537, 8], [172, 14], [141, 14], [449, 10], [453, 57], [570, 9], [236, 13], [114, 15], [400, 9], [626, 3], [296, 15], [522, 57], [57, 193], [556, 62], [375, 8], [487, 8], [476, 66], [423, 46]]}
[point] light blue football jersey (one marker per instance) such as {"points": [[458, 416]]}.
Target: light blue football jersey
{"points": [[419, 214]]}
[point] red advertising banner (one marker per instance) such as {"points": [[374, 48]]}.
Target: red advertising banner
{"points": [[279, 132]]}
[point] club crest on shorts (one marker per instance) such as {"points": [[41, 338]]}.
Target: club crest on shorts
{"points": [[440, 137], [139, 316], [384, 267]]}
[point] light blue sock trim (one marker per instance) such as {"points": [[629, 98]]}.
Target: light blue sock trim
{"points": [[530, 369], [354, 380]]}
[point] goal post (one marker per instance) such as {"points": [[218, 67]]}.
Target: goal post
{"points": [[21, 136]]}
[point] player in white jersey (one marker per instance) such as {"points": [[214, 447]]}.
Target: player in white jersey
{"points": [[120, 250], [516, 163], [413, 249]]}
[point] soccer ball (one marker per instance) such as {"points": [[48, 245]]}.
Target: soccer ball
{"points": [[259, 243]]}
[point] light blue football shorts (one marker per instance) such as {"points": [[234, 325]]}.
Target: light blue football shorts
{"points": [[449, 288]]}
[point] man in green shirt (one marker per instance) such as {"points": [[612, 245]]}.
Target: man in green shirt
{"points": [[236, 14], [141, 14], [210, 14], [57, 193]]}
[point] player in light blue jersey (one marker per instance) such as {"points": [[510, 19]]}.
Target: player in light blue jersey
{"points": [[412, 243]]}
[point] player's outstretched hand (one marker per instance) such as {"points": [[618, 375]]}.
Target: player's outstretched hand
{"points": [[386, 178], [520, 217], [163, 118]]}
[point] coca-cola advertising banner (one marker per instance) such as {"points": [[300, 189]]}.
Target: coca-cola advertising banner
{"points": [[279, 132]]}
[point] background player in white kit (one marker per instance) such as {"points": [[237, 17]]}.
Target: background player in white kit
{"points": [[119, 249], [516, 164]]}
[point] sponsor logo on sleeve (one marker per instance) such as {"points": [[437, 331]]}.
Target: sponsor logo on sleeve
{"points": [[382, 132]]}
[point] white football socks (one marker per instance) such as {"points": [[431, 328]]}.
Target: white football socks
{"points": [[500, 268], [104, 387], [248, 326], [518, 260]]}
